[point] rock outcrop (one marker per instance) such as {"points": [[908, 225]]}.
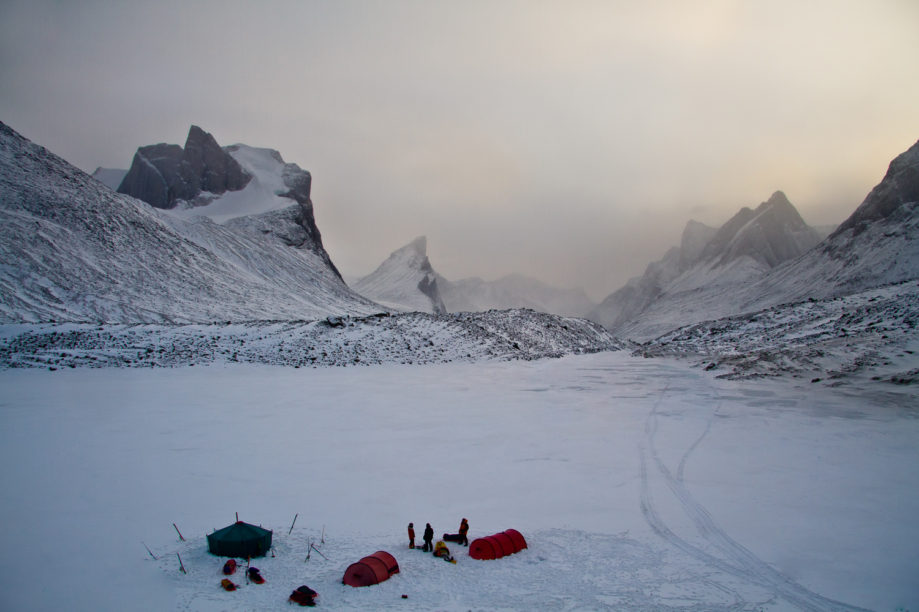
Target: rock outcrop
{"points": [[162, 174], [75, 250]]}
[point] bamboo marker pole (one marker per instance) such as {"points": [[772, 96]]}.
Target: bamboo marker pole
{"points": [[313, 546], [181, 565], [178, 532], [149, 551], [292, 524]]}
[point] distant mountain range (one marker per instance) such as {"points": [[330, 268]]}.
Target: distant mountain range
{"points": [[407, 281], [751, 243], [204, 233], [768, 256]]}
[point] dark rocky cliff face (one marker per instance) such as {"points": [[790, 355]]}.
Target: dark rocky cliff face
{"points": [[162, 174]]}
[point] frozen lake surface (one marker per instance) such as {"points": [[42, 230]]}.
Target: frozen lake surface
{"points": [[639, 484]]}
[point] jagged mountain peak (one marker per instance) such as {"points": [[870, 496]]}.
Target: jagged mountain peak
{"points": [[878, 245], [405, 281], [781, 211], [778, 198], [898, 188], [420, 245], [772, 233], [413, 254], [78, 251], [164, 174], [749, 244]]}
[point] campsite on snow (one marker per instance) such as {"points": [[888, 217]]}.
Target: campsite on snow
{"points": [[535, 306], [137, 425]]}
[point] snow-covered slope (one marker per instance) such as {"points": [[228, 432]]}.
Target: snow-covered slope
{"points": [[872, 333], [702, 276], [512, 291], [405, 281], [628, 302], [73, 250], [877, 246], [415, 338]]}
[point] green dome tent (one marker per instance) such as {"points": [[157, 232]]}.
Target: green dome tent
{"points": [[239, 540]]}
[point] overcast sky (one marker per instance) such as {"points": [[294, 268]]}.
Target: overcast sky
{"points": [[569, 141]]}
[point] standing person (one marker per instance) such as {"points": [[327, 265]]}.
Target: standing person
{"points": [[428, 537], [464, 527], [411, 535]]}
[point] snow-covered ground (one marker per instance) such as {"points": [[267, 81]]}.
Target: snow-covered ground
{"points": [[406, 338], [872, 334], [639, 484]]}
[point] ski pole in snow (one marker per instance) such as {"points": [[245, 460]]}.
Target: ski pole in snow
{"points": [[149, 551], [322, 541], [181, 565], [310, 549], [178, 532], [292, 524]]}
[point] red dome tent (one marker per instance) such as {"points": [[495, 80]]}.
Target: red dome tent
{"points": [[370, 570], [518, 540], [498, 545]]}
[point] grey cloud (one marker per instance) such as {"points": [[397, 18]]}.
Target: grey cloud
{"points": [[569, 141]]}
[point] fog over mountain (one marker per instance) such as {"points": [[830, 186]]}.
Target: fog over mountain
{"points": [[766, 257], [513, 291], [748, 245], [567, 142]]}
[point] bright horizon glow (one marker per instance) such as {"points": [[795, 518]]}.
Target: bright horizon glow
{"points": [[570, 142]]}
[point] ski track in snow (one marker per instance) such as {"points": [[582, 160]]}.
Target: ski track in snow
{"points": [[733, 557], [585, 455]]}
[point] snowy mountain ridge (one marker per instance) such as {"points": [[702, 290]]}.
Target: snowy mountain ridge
{"points": [[77, 251], [768, 256], [405, 281]]}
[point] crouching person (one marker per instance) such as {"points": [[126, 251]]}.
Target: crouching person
{"points": [[441, 550]]}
